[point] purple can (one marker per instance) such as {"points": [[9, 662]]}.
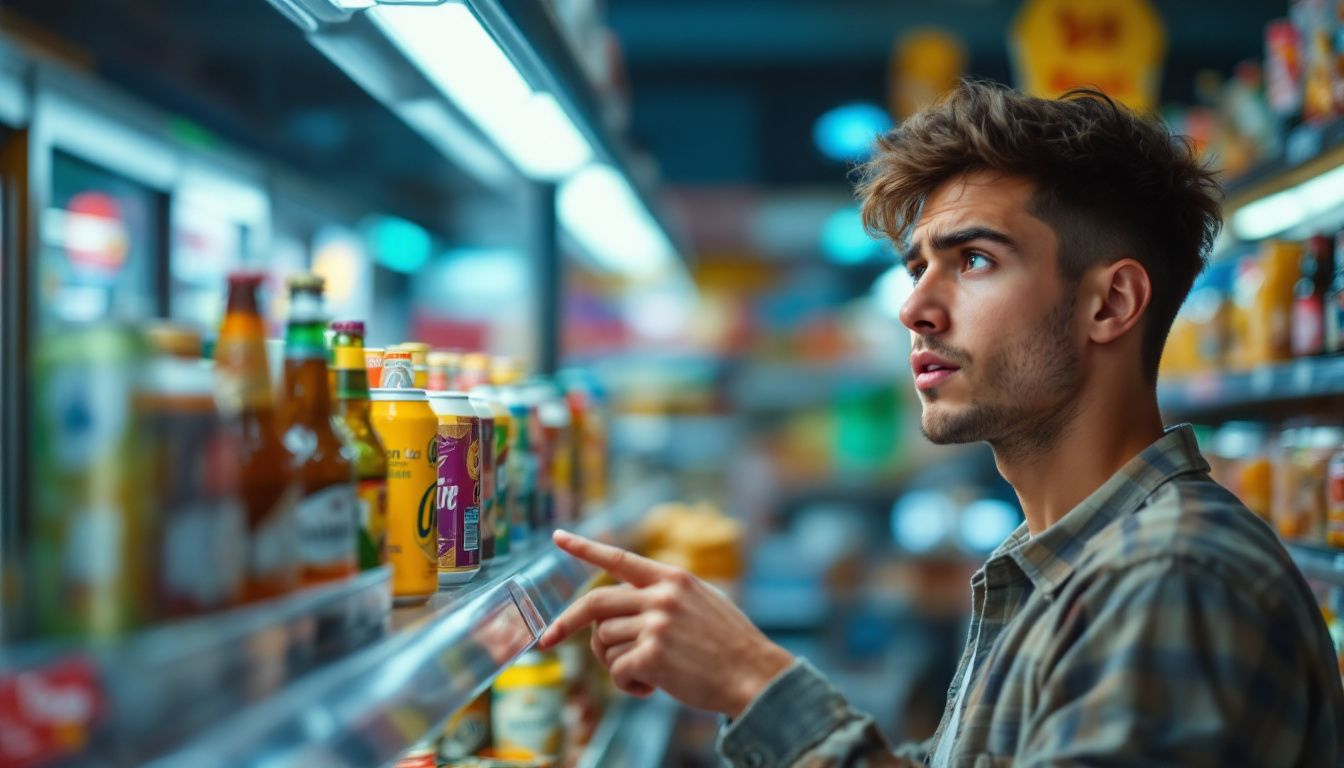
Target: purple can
{"points": [[457, 498]]}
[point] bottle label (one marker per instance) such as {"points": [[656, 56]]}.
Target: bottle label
{"points": [[205, 553], [372, 522], [326, 522], [457, 499], [1308, 327], [271, 550]]}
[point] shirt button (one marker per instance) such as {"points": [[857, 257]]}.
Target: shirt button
{"points": [[755, 759]]}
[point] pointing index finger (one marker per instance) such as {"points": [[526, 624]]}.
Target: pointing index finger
{"points": [[622, 564]]}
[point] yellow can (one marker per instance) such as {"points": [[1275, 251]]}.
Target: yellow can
{"points": [[407, 429]]}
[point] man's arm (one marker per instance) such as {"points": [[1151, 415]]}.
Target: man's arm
{"points": [[800, 719], [1169, 663], [663, 628]]}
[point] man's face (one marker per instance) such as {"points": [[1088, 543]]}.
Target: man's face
{"points": [[994, 352]]}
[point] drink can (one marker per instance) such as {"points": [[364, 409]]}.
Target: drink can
{"points": [[397, 370], [443, 369], [503, 511], [486, 452], [93, 520], [407, 429], [373, 363], [419, 362], [522, 468], [459, 489]]}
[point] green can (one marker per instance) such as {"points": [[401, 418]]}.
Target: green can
{"points": [[92, 536]]}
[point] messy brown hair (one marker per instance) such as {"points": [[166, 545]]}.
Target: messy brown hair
{"points": [[1111, 183]]}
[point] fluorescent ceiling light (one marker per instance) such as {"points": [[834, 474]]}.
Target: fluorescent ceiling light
{"points": [[1290, 208], [600, 210], [454, 51]]}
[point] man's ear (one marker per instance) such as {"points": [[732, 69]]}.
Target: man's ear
{"points": [[1119, 294]]}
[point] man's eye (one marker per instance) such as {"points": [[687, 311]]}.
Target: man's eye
{"points": [[916, 272], [977, 261]]}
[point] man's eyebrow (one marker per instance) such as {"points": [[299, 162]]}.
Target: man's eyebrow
{"points": [[949, 240]]}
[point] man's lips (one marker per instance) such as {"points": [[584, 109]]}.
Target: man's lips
{"points": [[930, 369]]}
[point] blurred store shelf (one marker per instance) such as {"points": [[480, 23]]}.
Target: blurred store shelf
{"points": [[1309, 149], [635, 733], [1234, 392], [331, 676], [1318, 562], [786, 386]]}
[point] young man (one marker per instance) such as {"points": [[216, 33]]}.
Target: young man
{"points": [[1141, 616]]}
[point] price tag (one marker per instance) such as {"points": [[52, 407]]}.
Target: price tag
{"points": [[1303, 375], [1262, 381], [48, 714]]}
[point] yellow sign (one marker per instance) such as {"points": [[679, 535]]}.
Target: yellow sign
{"points": [[1114, 45], [925, 64]]}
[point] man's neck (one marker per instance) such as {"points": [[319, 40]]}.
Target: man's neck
{"points": [[1090, 449]]}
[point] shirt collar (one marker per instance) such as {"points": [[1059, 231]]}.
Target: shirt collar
{"points": [[1049, 559]]}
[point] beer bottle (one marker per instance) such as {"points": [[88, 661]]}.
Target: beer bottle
{"points": [[352, 417], [265, 483], [326, 511]]}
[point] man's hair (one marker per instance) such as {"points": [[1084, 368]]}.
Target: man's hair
{"points": [[1111, 183]]}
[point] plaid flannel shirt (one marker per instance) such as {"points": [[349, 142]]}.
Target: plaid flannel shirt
{"points": [[1159, 623]]}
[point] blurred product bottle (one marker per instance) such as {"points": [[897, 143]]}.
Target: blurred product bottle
{"points": [[474, 372], [1334, 500], [506, 378], [1309, 295], [93, 522], [467, 731], [419, 362], [243, 391], [352, 416], [443, 369], [590, 437], [398, 371], [527, 706], [486, 467], [1334, 302], [326, 512], [504, 503], [558, 451], [202, 540]]}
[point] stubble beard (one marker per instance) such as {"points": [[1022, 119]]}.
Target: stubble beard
{"points": [[1037, 386]]}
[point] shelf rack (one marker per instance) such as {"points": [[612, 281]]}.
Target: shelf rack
{"points": [[330, 676]]}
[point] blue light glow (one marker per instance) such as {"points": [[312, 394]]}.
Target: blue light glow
{"points": [[846, 133], [843, 239], [398, 244], [986, 523], [921, 520]]}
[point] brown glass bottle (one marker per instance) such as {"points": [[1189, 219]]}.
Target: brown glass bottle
{"points": [[326, 511], [243, 391]]}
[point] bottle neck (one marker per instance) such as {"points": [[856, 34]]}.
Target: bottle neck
{"points": [[306, 387], [244, 383], [352, 385]]}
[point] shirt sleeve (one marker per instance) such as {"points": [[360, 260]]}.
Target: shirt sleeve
{"points": [[801, 720], [1168, 663]]}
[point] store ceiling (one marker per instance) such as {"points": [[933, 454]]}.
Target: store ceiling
{"points": [[725, 92]]}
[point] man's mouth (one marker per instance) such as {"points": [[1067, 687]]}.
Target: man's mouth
{"points": [[931, 370]]}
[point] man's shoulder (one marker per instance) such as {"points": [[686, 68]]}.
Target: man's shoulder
{"points": [[1194, 521]]}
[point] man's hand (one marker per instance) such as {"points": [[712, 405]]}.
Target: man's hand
{"points": [[664, 628]]}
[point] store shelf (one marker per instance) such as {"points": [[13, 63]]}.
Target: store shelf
{"points": [[788, 386], [331, 677], [634, 734], [1308, 151], [1318, 562], [1214, 393]]}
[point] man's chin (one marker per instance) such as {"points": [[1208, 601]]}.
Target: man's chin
{"points": [[943, 428]]}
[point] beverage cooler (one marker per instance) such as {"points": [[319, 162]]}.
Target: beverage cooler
{"points": [[285, 434]]}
